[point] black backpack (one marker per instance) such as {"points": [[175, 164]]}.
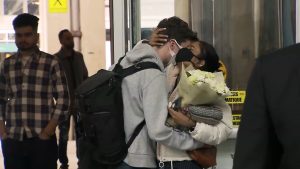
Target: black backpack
{"points": [[99, 97]]}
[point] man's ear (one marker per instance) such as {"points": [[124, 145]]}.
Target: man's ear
{"points": [[172, 45]]}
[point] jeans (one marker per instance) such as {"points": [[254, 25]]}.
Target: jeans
{"points": [[63, 139], [31, 153], [179, 165], [123, 165]]}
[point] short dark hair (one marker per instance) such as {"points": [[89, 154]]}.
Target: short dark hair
{"points": [[26, 19], [209, 54], [61, 33], [176, 29]]}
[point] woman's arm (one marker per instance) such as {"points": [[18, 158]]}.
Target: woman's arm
{"points": [[208, 134], [214, 135]]}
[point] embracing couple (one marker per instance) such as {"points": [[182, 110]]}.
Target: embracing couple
{"points": [[146, 97]]}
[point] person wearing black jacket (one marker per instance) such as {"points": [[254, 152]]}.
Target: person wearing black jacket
{"points": [[76, 72], [268, 135]]}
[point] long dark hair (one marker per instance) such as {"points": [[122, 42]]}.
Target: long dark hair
{"points": [[209, 54]]}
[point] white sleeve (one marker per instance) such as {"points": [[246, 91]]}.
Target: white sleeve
{"points": [[155, 110], [214, 135]]}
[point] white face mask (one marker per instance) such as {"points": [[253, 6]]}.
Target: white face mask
{"points": [[172, 53]]}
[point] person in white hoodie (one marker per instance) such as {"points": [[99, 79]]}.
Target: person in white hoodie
{"points": [[202, 56], [145, 98]]}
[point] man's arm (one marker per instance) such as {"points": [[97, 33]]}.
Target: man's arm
{"points": [[256, 139], [3, 134], [49, 130], [61, 95], [84, 69], [3, 100], [155, 110]]}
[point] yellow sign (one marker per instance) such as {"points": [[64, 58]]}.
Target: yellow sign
{"points": [[236, 119], [237, 97], [58, 6]]}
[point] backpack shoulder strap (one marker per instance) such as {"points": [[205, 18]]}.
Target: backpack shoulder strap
{"points": [[118, 68], [129, 71], [136, 131], [138, 67]]}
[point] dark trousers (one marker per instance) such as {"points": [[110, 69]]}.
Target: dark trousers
{"points": [[63, 139], [31, 153], [179, 165], [124, 165]]}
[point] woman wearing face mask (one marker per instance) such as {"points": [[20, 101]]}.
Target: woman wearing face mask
{"points": [[203, 56]]}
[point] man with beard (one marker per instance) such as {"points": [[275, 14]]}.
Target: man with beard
{"points": [[76, 71], [33, 100]]}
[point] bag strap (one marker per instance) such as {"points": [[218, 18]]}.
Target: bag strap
{"points": [[133, 69], [136, 132], [138, 67], [129, 71], [118, 68]]}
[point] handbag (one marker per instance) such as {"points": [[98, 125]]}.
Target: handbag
{"points": [[205, 156]]}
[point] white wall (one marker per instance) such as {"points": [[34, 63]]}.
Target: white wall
{"points": [[182, 10], [93, 34], [6, 22], [92, 28], [153, 11], [55, 22]]}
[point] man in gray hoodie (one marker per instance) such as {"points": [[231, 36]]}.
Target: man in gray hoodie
{"points": [[145, 97]]}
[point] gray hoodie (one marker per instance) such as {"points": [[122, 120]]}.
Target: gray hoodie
{"points": [[145, 97]]}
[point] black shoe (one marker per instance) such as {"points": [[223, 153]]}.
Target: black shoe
{"points": [[64, 166]]}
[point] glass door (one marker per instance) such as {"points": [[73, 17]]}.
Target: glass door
{"points": [[241, 31]]}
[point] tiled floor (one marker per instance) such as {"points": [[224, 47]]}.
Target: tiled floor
{"points": [[224, 159]]}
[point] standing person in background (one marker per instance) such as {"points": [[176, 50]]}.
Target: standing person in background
{"points": [[76, 72], [33, 100]]}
